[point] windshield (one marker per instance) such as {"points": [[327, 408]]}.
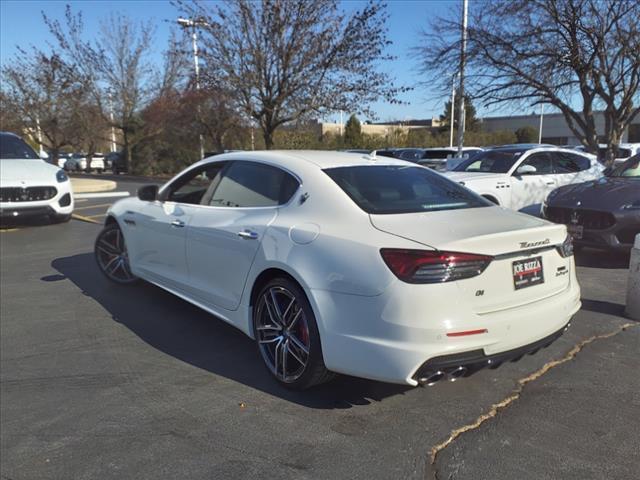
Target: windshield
{"points": [[16, 148], [388, 189], [490, 161], [629, 169]]}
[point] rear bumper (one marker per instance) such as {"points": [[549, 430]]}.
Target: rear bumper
{"points": [[467, 363], [391, 337]]}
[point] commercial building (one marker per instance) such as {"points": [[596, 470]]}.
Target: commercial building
{"points": [[554, 127]]}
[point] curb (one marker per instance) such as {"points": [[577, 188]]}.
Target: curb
{"points": [[83, 185]]}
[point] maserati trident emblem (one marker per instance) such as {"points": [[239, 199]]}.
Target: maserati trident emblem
{"points": [[574, 218]]}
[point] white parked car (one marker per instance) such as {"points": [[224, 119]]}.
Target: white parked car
{"points": [[521, 177], [625, 151], [335, 262], [29, 186], [62, 159], [79, 162]]}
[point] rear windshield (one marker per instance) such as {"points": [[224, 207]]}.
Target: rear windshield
{"points": [[437, 154], [16, 148], [490, 161], [387, 189]]}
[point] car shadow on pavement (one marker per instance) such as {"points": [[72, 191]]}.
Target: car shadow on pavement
{"points": [[194, 336]]}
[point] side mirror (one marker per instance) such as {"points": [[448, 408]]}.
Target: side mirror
{"points": [[526, 170], [148, 193]]}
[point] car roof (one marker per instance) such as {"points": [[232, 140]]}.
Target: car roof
{"points": [[318, 158], [10, 134]]}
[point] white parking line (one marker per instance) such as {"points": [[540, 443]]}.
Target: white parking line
{"points": [[101, 195]]}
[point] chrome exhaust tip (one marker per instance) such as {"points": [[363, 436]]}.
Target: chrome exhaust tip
{"points": [[432, 378], [457, 373]]}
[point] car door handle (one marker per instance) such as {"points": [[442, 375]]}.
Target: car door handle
{"points": [[177, 223], [551, 183], [248, 235]]}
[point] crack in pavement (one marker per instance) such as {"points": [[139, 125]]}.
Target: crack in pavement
{"points": [[515, 394]]}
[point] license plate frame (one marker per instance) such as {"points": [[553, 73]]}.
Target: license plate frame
{"points": [[527, 272]]}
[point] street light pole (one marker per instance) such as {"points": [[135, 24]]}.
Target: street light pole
{"points": [[453, 108], [463, 51], [39, 134], [540, 128], [113, 130], [193, 24]]}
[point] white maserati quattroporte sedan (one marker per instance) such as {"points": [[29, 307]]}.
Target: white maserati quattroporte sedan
{"points": [[348, 263]]}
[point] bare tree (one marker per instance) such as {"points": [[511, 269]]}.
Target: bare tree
{"points": [[577, 55], [45, 93], [117, 64], [287, 59]]}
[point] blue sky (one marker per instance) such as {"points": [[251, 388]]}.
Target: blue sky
{"points": [[21, 25]]}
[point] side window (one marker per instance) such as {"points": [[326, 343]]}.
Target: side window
{"points": [[251, 184], [541, 162], [191, 187], [570, 163]]}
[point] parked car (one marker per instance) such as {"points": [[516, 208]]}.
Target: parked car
{"points": [[82, 162], [335, 262], [625, 151], [446, 157], [603, 213], [30, 186], [520, 178], [97, 163], [76, 163], [116, 162], [358, 150], [62, 159]]}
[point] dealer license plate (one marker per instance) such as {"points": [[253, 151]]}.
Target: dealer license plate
{"points": [[527, 273]]}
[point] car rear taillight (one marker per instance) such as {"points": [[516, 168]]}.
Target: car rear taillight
{"points": [[424, 266], [566, 249]]}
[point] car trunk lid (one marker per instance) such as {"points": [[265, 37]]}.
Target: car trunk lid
{"points": [[526, 267]]}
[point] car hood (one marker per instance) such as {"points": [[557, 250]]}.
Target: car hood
{"points": [[27, 171], [601, 194], [471, 177]]}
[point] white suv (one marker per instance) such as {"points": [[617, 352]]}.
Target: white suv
{"points": [[30, 186], [521, 177]]}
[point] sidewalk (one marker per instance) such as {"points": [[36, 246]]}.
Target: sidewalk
{"points": [[86, 185]]}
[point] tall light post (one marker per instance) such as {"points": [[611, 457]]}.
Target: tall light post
{"points": [[453, 108], [113, 130], [540, 127], [193, 24], [39, 134], [463, 51]]}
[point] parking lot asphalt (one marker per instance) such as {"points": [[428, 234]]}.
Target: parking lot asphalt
{"points": [[103, 381]]}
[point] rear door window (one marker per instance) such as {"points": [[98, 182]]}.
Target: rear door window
{"points": [[252, 184], [570, 163]]}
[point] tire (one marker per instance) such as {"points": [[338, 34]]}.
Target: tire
{"points": [[111, 255], [55, 218], [271, 340]]}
